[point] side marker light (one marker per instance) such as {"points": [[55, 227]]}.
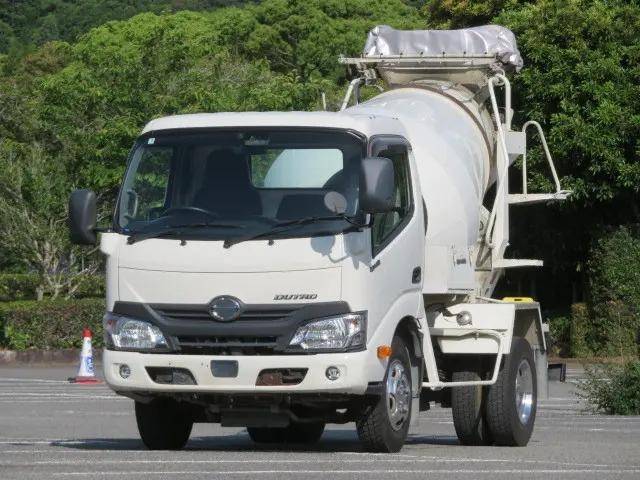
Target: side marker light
{"points": [[384, 351]]}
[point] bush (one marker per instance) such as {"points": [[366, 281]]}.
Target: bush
{"points": [[613, 389], [559, 340], [568, 331], [22, 286], [579, 331], [614, 285], [92, 286], [18, 286], [50, 324]]}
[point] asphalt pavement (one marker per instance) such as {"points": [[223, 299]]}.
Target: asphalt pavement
{"points": [[51, 429]]}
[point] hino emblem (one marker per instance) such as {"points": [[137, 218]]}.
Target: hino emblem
{"points": [[296, 296], [225, 308]]}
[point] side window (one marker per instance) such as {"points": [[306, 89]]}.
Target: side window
{"points": [[385, 225]]}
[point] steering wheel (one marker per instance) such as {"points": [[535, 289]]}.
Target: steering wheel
{"points": [[169, 211]]}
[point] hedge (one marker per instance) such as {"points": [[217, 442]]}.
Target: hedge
{"points": [[579, 331], [50, 324], [614, 291], [569, 330], [22, 286]]}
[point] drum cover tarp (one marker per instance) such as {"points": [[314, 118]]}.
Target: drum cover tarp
{"points": [[495, 40]]}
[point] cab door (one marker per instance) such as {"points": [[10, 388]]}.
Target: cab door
{"points": [[398, 238]]}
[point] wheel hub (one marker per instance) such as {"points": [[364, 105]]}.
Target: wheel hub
{"points": [[524, 392], [398, 394]]}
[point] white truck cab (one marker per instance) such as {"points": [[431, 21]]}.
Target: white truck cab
{"points": [[284, 270]]}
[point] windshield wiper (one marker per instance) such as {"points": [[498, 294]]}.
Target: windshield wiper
{"points": [[289, 224], [176, 229]]}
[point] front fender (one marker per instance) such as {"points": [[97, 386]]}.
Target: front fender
{"points": [[407, 305]]}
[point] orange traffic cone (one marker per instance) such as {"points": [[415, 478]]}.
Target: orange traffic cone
{"points": [[85, 371]]}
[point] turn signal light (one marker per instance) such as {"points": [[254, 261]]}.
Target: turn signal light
{"points": [[384, 351]]}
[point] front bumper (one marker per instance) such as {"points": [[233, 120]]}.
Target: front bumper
{"points": [[353, 372]]}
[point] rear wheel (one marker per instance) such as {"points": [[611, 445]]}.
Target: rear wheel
{"points": [[384, 426], [305, 433], [468, 405], [512, 400], [163, 424]]}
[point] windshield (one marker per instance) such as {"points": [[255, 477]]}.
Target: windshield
{"points": [[231, 182]]}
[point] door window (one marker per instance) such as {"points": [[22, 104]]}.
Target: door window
{"points": [[387, 225]]}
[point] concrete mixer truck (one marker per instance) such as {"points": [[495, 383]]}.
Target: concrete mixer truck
{"points": [[280, 271]]}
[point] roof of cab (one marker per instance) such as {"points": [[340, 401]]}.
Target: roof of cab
{"points": [[367, 124]]}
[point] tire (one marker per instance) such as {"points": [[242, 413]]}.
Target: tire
{"points": [[510, 414], [163, 425], [303, 433], [468, 407], [384, 426]]}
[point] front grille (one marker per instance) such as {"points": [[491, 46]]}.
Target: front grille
{"points": [[201, 312], [199, 345], [261, 329]]}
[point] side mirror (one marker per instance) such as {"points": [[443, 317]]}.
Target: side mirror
{"points": [[377, 185], [82, 217]]}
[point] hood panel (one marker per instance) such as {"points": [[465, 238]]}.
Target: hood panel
{"points": [[251, 256], [148, 286], [163, 271]]}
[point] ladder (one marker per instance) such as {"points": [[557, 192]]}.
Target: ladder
{"points": [[510, 146]]}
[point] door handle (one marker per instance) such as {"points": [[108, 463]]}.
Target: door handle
{"points": [[416, 275]]}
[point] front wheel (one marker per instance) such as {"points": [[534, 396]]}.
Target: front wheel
{"points": [[384, 426], [163, 424], [512, 400]]}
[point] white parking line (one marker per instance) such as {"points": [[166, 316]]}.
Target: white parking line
{"points": [[57, 395], [582, 421], [31, 380], [376, 472], [553, 399], [55, 387], [58, 412], [49, 441], [57, 401], [607, 430], [385, 458]]}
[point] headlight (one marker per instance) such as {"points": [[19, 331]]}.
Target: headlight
{"points": [[333, 333], [129, 334]]}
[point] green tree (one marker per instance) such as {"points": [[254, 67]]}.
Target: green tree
{"points": [[6, 36], [614, 287], [84, 103], [34, 22], [581, 81], [84, 100], [33, 191]]}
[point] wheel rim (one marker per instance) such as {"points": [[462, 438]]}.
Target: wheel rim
{"points": [[398, 394], [524, 392]]}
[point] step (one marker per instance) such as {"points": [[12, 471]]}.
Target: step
{"points": [[533, 198], [517, 263]]}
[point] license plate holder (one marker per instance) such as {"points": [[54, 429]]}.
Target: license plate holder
{"points": [[224, 368]]}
